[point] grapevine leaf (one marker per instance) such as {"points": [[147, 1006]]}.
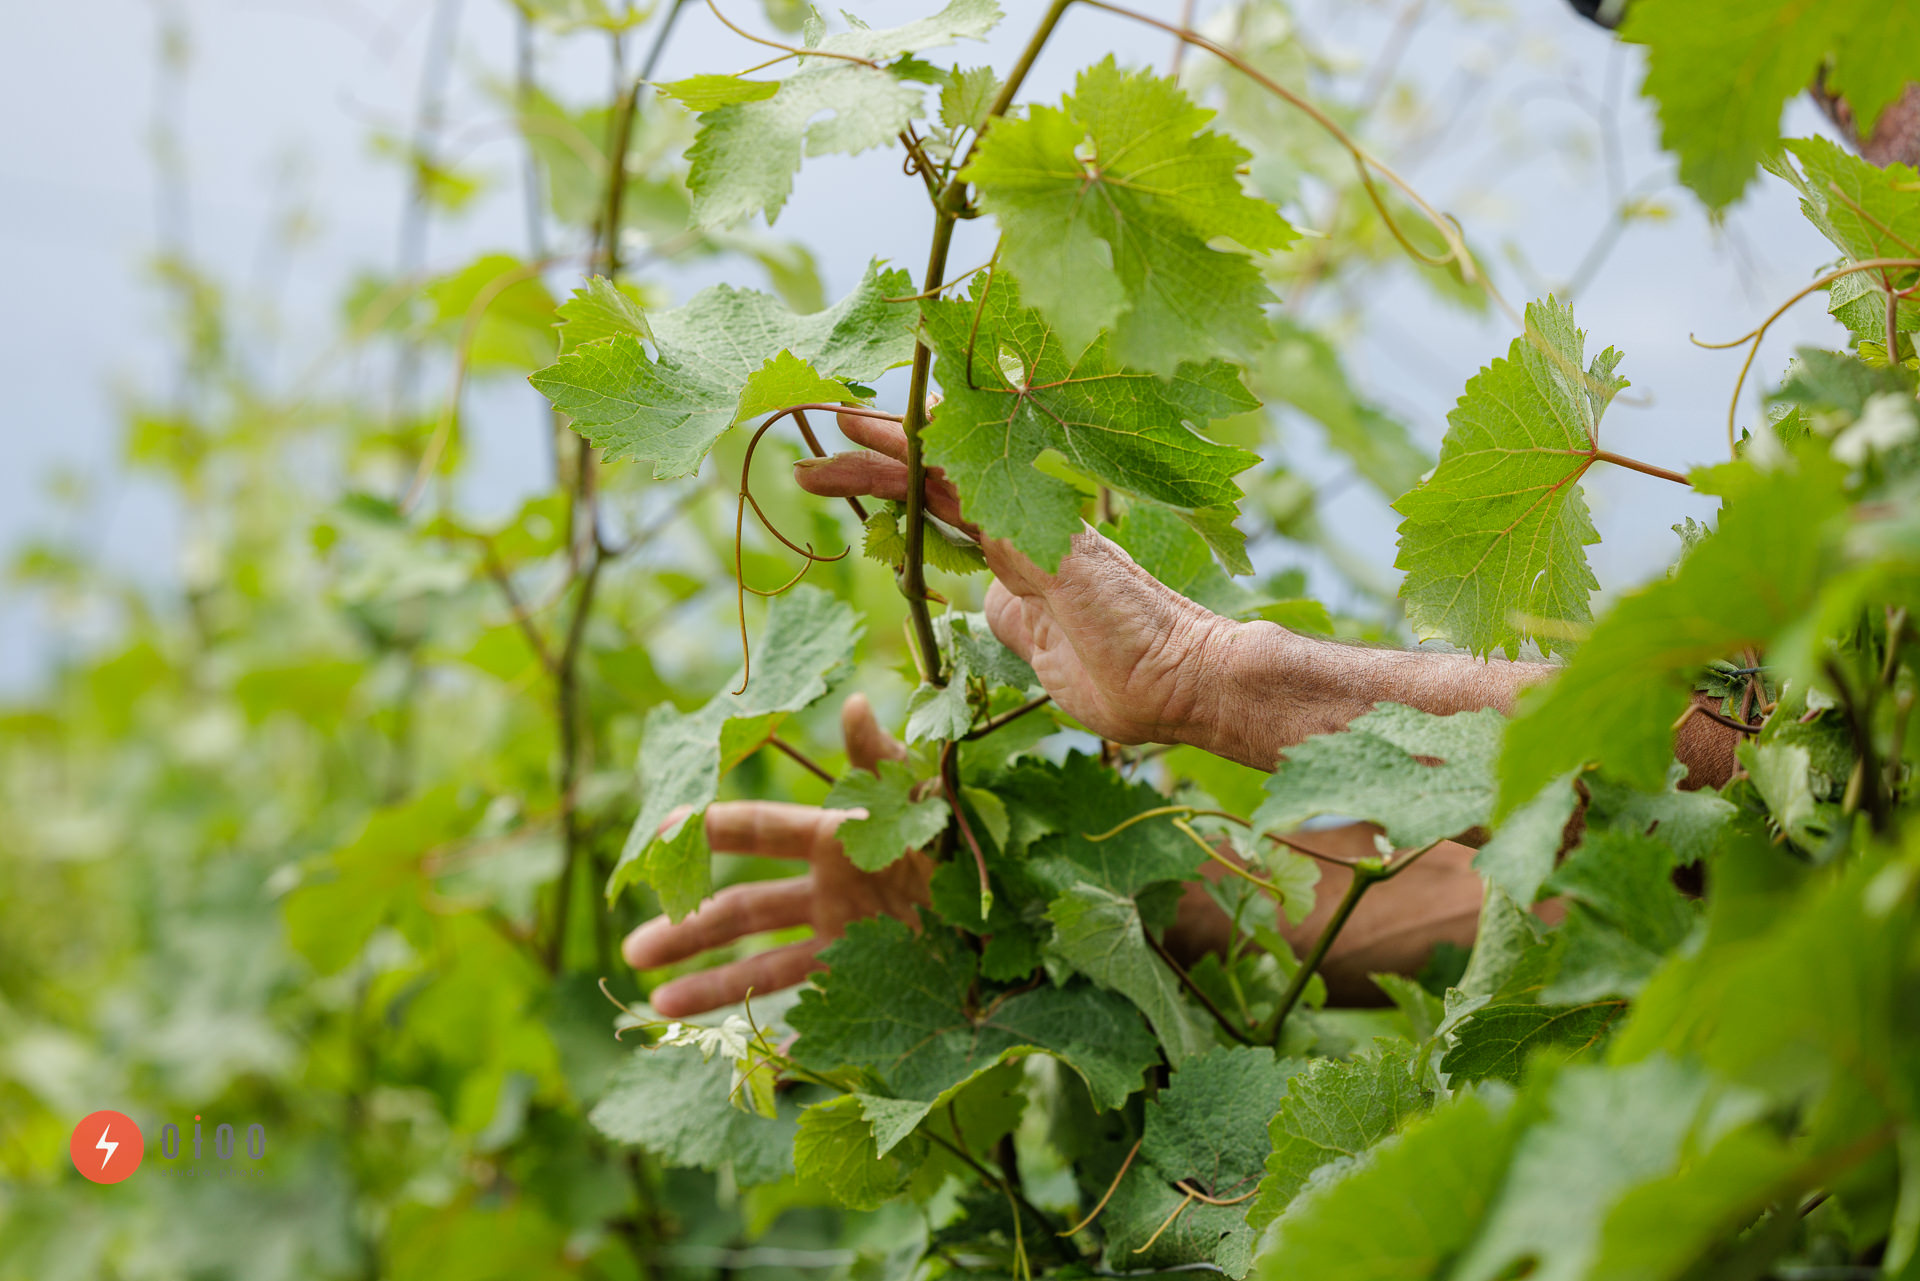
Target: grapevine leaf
{"points": [[939, 549], [1519, 856], [835, 1149], [967, 96], [1332, 1114], [1660, 1226], [1865, 210], [1688, 823], [1091, 801], [599, 310], [892, 1119], [1107, 205], [1374, 770], [974, 644], [711, 92], [1749, 1006], [747, 152], [1605, 1130], [1617, 700], [1029, 392], [1101, 934], [674, 1103], [938, 712], [896, 1003], [1208, 1129], [809, 635], [786, 380], [1623, 915], [1302, 369], [895, 822], [1170, 549], [724, 357], [1720, 71], [1494, 536], [1408, 1210], [1497, 1041], [1512, 953]]}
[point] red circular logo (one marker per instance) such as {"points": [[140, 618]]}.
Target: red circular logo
{"points": [[107, 1147]]}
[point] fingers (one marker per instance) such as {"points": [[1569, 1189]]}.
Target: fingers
{"points": [[870, 474], [1007, 617], [771, 829], [867, 743], [853, 475], [731, 914], [770, 971], [888, 438]]}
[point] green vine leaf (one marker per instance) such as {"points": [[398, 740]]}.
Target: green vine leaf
{"points": [[1494, 538], [836, 1150], [1406, 1211], [1333, 1112], [727, 356], [1497, 1041], [1104, 936], [1623, 916], [749, 148], [1029, 392], [1208, 1129], [676, 1105], [895, 822], [809, 637], [1720, 71], [1616, 702], [599, 310], [1107, 206], [901, 1006], [1423, 778]]}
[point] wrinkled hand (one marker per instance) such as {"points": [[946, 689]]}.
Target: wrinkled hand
{"points": [[832, 892], [1118, 651]]}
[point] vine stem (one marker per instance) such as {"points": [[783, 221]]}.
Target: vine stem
{"points": [[1645, 469], [1004, 719], [950, 783], [1199, 994], [1366, 874], [947, 211], [1757, 335], [801, 759]]}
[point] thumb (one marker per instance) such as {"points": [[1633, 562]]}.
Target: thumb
{"points": [[867, 743]]}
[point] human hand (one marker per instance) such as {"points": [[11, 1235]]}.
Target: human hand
{"points": [[1120, 652], [829, 895]]}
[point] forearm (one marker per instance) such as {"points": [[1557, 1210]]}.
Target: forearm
{"points": [[1265, 689]]}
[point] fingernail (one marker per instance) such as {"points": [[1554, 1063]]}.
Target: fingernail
{"points": [[808, 464]]}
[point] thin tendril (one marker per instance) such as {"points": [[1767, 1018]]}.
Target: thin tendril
{"points": [[1756, 336], [979, 310], [1177, 1212], [1198, 1195], [740, 523], [792, 50], [1113, 1187]]}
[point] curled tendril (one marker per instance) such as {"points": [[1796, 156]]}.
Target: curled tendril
{"points": [[1757, 334], [746, 499]]}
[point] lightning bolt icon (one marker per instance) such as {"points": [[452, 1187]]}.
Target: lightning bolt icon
{"points": [[104, 1146]]}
